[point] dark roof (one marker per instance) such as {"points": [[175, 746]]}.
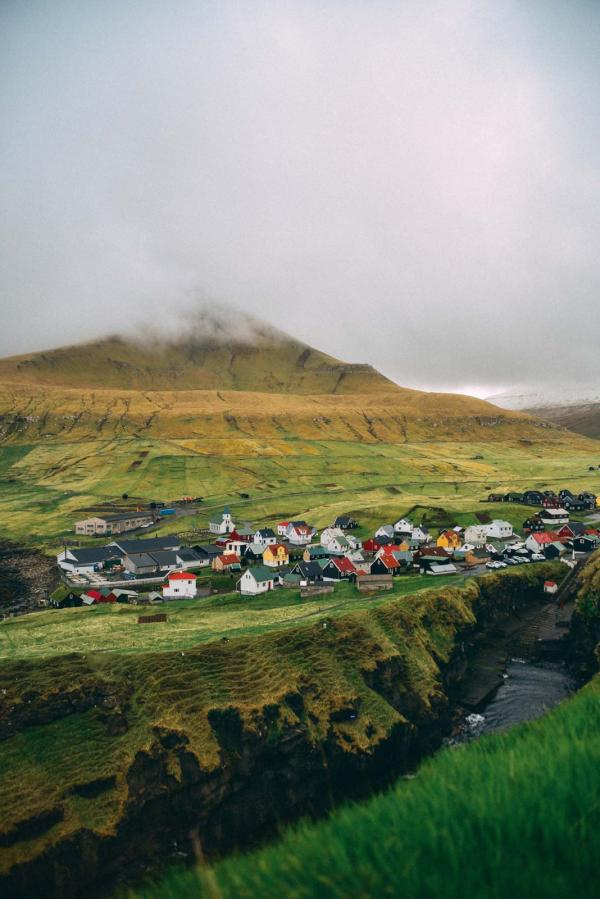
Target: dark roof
{"points": [[123, 516], [94, 554], [308, 570], [207, 549], [142, 560], [266, 532], [147, 544], [188, 555], [165, 557], [343, 521]]}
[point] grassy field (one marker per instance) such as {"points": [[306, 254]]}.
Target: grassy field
{"points": [[71, 713], [114, 627], [510, 815]]}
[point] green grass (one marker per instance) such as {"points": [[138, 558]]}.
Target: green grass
{"points": [[513, 815], [114, 627], [53, 684]]}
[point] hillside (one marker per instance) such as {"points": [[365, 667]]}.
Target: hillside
{"points": [[273, 425]]}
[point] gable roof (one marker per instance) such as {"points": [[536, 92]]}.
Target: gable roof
{"points": [[275, 547], [229, 559], [343, 564], [91, 555], [261, 573], [181, 576], [147, 544], [266, 532]]}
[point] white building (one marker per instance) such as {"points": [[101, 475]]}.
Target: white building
{"points": [[282, 528], [403, 526], [224, 525], [256, 580], [386, 530], [180, 585], [476, 534], [265, 537], [299, 533], [420, 534], [552, 517], [499, 529]]}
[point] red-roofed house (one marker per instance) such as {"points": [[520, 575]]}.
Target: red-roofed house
{"points": [[371, 545], [339, 569], [282, 528], [226, 562], [180, 585], [536, 542], [385, 563]]}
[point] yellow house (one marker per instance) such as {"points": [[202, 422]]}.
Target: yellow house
{"points": [[404, 546], [449, 540], [276, 555]]}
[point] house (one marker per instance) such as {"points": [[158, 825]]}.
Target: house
{"points": [[147, 544], [550, 502], [590, 499], [449, 539], [371, 545], [340, 569], [385, 564], [533, 498], [189, 558], [180, 585], [499, 529], [403, 526], [513, 497], [438, 568], [345, 522], [282, 528], [553, 550], [427, 556], [236, 542], [386, 530], [420, 534], [335, 541], [275, 555], [226, 562], [573, 529], [572, 504], [140, 563], [309, 572], [585, 544], [113, 524], [312, 553], [534, 524], [265, 536], [206, 552], [553, 517], [222, 525], [538, 540], [476, 534], [88, 559], [256, 580], [299, 533], [90, 597], [253, 552], [550, 587]]}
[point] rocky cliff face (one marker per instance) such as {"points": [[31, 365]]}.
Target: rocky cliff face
{"points": [[116, 761]]}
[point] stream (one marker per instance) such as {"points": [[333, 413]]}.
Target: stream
{"points": [[529, 690]]}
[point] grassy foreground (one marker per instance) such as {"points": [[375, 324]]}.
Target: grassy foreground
{"points": [[513, 815]]}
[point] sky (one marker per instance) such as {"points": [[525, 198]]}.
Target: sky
{"points": [[411, 184]]}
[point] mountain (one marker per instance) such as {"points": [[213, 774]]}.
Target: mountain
{"points": [[249, 416], [577, 408]]}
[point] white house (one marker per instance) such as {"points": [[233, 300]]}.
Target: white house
{"points": [[265, 536], [499, 529], [224, 525], [299, 533], [282, 528], [256, 580], [403, 526], [386, 530], [420, 534], [88, 559], [476, 534], [552, 517], [180, 585]]}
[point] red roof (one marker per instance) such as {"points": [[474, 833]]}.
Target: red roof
{"points": [[283, 524], [274, 547], [229, 559], [549, 583], [545, 537], [181, 576], [389, 561], [302, 529], [95, 594], [110, 598], [343, 564], [371, 545]]}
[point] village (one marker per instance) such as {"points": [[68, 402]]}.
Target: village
{"points": [[294, 554]]}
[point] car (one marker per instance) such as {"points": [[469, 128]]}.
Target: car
{"points": [[538, 557], [493, 564]]}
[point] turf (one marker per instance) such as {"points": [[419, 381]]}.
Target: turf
{"points": [[510, 815]]}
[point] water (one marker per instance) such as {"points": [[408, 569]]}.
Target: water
{"points": [[529, 690]]}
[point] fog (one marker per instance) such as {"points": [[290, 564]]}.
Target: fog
{"points": [[413, 185]]}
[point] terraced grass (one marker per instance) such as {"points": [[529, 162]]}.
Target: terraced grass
{"points": [[510, 815], [69, 718]]}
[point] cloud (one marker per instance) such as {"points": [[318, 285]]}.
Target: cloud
{"points": [[410, 185]]}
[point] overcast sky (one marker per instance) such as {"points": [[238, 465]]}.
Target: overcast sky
{"points": [[411, 184]]}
